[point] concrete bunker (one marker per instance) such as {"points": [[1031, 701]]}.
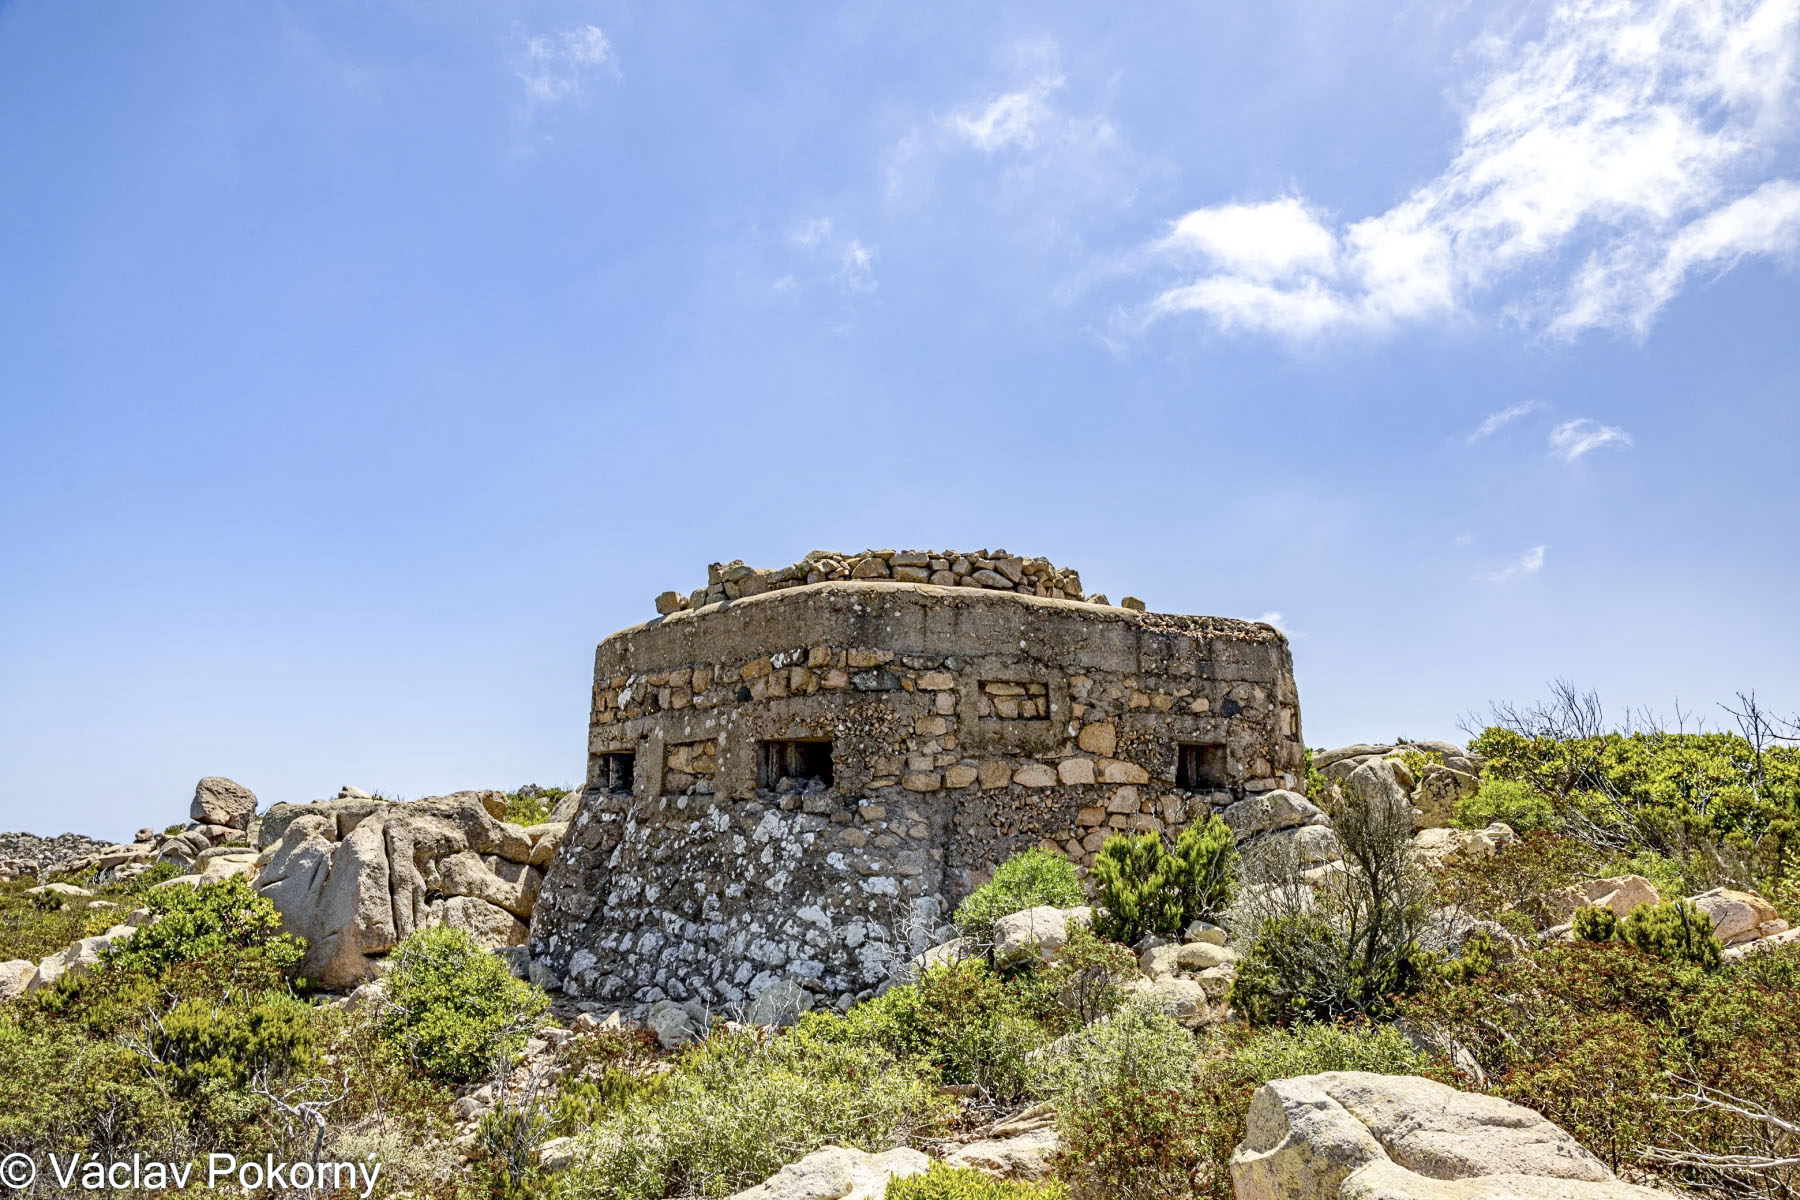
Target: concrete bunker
{"points": [[802, 782]]}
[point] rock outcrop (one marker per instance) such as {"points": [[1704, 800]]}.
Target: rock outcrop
{"points": [[223, 802], [838, 1173], [1353, 1135], [1621, 893], [27, 854], [355, 876], [1017, 1148], [15, 978], [1738, 917], [76, 960], [1037, 931]]}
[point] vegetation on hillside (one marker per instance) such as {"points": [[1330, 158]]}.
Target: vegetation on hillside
{"points": [[1669, 1060]]}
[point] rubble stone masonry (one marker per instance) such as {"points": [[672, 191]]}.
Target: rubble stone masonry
{"points": [[802, 783]]}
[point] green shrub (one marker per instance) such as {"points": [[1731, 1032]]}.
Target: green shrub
{"points": [[532, 805], [454, 1007], [1085, 975], [1138, 1041], [1204, 867], [1592, 1036], [1144, 888], [1127, 1125], [959, 1020], [1346, 943], [1672, 929], [36, 926], [1026, 880], [192, 923], [602, 1074], [61, 1092], [1479, 954], [1132, 1140], [1664, 791], [941, 1182], [741, 1105], [197, 1043], [1302, 965], [1131, 873], [1519, 805], [1595, 923], [1312, 1048]]}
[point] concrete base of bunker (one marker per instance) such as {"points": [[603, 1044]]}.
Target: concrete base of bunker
{"points": [[802, 784]]}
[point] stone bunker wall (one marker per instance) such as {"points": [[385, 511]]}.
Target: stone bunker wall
{"points": [[802, 784], [994, 570]]}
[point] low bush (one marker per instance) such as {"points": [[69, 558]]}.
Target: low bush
{"points": [[1131, 877], [1085, 977], [453, 1007], [603, 1074], [1134, 1140], [961, 1020], [1595, 923], [532, 805], [1137, 1042], [62, 1092], [1145, 888], [1204, 870], [1026, 880], [941, 1182], [1604, 1039], [1517, 804], [738, 1107], [192, 923], [1127, 1124], [34, 927], [198, 1043], [1348, 943], [1310, 1049], [1672, 929]]}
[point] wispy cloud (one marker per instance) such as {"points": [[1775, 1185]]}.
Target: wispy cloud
{"points": [[1016, 118], [1278, 619], [1039, 149], [1495, 422], [1615, 158], [1528, 563], [847, 261], [557, 67], [1572, 439]]}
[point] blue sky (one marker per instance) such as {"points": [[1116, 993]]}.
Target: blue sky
{"points": [[366, 363]]}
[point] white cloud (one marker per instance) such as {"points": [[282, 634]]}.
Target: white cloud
{"points": [[1041, 150], [1599, 168], [1010, 119], [809, 233], [1495, 422], [1261, 241], [1278, 620], [556, 67], [856, 267], [847, 261], [1572, 439], [1528, 563]]}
